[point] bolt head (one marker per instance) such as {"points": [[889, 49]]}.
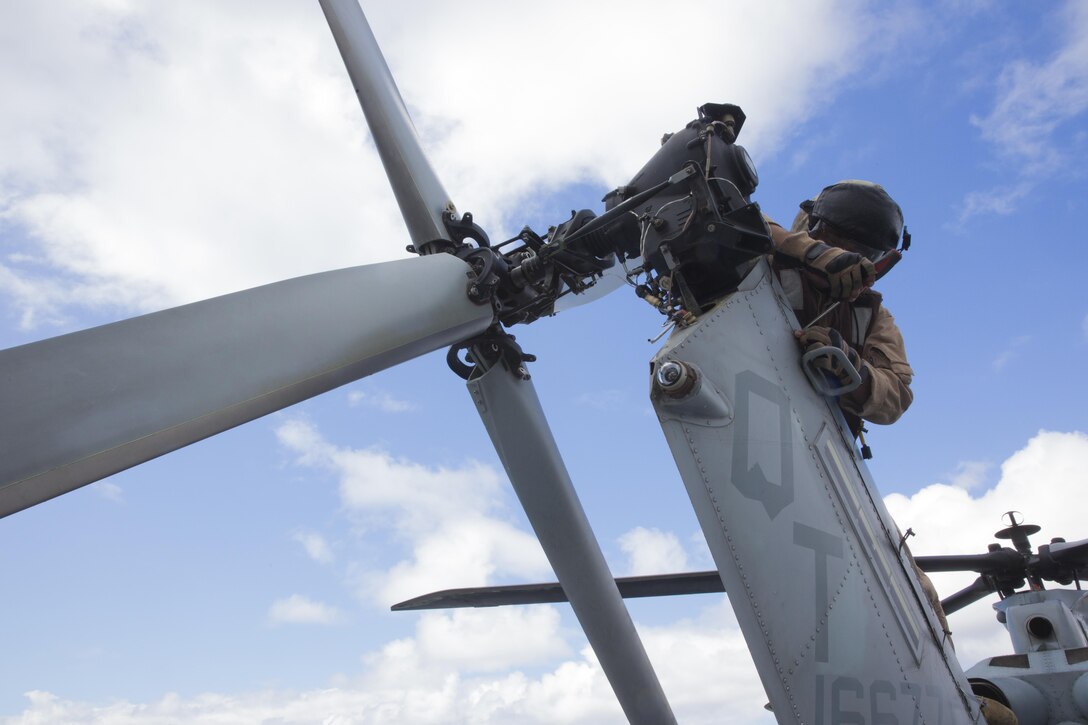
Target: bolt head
{"points": [[669, 374]]}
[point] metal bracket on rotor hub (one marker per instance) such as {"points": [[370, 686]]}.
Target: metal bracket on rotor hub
{"points": [[459, 230], [485, 351]]}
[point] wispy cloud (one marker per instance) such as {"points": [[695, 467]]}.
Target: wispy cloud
{"points": [[1034, 101], [1010, 352], [297, 609], [1000, 200], [380, 400], [109, 490]]}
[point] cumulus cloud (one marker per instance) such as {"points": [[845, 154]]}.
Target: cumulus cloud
{"points": [[453, 520], [297, 609], [509, 666], [1042, 480], [475, 666], [652, 551], [163, 153]]}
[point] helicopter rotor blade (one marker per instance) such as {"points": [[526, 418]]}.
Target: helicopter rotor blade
{"points": [[631, 587], [978, 589], [82, 406], [1070, 554], [989, 563], [419, 193], [515, 421]]}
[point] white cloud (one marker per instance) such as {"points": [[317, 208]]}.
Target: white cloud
{"points": [[452, 519], [652, 551], [489, 640], [163, 153], [434, 676], [297, 609], [1043, 480], [466, 667], [381, 401], [315, 545]]}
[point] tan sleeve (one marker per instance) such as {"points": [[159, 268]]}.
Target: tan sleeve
{"points": [[794, 243], [777, 232], [887, 394]]}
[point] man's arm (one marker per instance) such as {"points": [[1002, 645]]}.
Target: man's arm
{"points": [[886, 393], [846, 274]]}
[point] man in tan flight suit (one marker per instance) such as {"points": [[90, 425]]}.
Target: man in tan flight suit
{"points": [[826, 260]]}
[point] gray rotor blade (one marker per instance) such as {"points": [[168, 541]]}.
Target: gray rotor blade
{"points": [[630, 587], [79, 407], [970, 594], [419, 193], [515, 421]]}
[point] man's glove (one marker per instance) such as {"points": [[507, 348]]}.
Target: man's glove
{"points": [[847, 273], [817, 337]]}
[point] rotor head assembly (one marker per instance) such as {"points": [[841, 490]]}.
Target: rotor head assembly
{"points": [[1004, 570]]}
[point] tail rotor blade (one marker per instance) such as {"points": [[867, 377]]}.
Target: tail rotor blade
{"points": [[515, 421], [79, 407], [419, 193]]}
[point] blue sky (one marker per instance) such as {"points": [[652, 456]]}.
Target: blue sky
{"points": [[151, 156]]}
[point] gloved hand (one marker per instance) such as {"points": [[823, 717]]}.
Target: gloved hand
{"points": [[848, 273], [817, 337]]}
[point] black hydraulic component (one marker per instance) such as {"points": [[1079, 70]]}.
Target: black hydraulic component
{"points": [[631, 587], [700, 230], [968, 595], [464, 228], [485, 351]]}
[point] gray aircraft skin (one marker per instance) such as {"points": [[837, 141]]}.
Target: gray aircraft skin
{"points": [[828, 601], [824, 591], [1045, 680]]}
